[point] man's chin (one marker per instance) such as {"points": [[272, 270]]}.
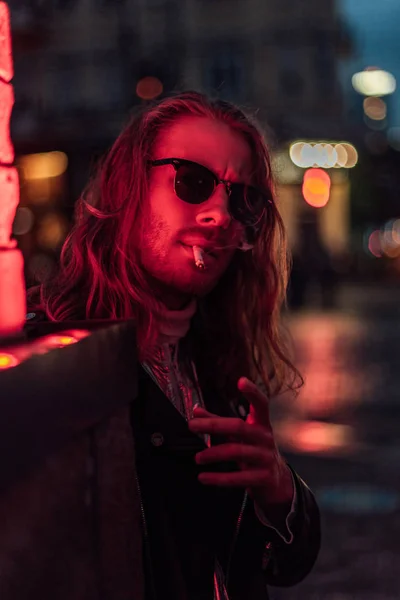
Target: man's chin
{"points": [[194, 288], [176, 292]]}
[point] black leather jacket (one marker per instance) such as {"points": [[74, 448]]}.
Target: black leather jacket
{"points": [[187, 525], [146, 520]]}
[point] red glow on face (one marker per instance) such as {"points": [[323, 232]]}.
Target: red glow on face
{"points": [[7, 361], [316, 187]]}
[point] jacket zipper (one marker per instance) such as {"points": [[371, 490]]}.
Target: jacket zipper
{"points": [[146, 541], [235, 537]]}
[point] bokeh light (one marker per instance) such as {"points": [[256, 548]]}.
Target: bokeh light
{"points": [[43, 165], [323, 154], [52, 231], [149, 88], [375, 108], [374, 82], [316, 187], [23, 221], [316, 437], [374, 243], [396, 231], [390, 239], [384, 242]]}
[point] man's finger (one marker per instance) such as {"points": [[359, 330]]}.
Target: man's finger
{"points": [[250, 478], [240, 453], [233, 427], [259, 403], [200, 413]]}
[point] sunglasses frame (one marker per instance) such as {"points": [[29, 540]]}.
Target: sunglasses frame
{"points": [[178, 162]]}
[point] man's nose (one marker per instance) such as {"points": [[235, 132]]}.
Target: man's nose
{"points": [[215, 211]]}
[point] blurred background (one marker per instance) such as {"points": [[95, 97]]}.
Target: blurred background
{"points": [[321, 78]]}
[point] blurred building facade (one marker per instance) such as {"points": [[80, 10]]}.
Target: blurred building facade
{"points": [[78, 64]]}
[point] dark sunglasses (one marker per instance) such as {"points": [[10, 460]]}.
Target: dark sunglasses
{"points": [[196, 184]]}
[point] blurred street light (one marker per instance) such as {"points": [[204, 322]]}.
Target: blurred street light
{"points": [[323, 154], [375, 108], [374, 82], [316, 187], [43, 165]]}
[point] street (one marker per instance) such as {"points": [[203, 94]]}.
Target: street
{"points": [[341, 433]]}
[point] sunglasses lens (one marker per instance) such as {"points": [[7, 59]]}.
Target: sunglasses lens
{"points": [[193, 184], [247, 204]]}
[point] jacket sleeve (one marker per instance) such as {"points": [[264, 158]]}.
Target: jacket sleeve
{"points": [[280, 563], [288, 564]]}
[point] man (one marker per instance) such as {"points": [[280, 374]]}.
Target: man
{"points": [[179, 231]]}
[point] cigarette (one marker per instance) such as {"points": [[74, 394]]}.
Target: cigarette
{"points": [[198, 258]]}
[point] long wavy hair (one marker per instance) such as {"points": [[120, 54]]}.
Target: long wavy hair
{"points": [[237, 327]]}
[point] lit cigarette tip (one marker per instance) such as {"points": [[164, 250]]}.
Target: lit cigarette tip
{"points": [[198, 257]]}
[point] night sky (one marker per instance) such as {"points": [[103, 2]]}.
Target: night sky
{"points": [[375, 28]]}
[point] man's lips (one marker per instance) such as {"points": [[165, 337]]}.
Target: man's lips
{"points": [[208, 250]]}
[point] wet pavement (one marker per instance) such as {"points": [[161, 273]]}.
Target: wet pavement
{"points": [[342, 435]]}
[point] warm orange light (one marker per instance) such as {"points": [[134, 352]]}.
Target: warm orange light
{"points": [[65, 340], [375, 108], [316, 187], [56, 341], [7, 360], [52, 230], [316, 437], [43, 165]]}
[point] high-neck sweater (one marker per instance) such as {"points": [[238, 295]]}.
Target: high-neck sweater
{"points": [[180, 387]]}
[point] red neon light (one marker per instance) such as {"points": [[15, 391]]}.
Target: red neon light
{"points": [[9, 198], [6, 104], [9, 188], [6, 63], [12, 285]]}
